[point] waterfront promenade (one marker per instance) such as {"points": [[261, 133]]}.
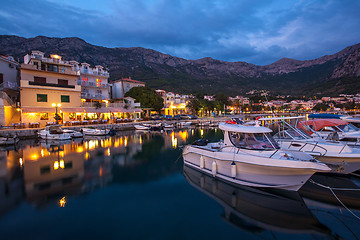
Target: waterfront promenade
{"points": [[28, 133]]}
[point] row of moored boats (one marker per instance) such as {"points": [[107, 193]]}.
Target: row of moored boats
{"points": [[56, 132], [251, 154]]}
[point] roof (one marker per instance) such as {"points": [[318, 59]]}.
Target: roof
{"points": [[128, 80], [243, 128]]}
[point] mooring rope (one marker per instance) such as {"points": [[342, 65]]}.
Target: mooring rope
{"points": [[340, 189]]}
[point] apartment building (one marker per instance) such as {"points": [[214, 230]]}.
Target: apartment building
{"points": [[48, 85], [93, 81]]}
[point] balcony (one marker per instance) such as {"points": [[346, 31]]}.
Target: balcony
{"points": [[92, 84], [94, 105], [93, 96], [66, 70], [9, 85], [94, 72]]}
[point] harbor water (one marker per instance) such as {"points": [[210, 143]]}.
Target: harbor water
{"points": [[134, 186]]}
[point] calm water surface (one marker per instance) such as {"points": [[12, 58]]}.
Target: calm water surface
{"points": [[134, 186]]}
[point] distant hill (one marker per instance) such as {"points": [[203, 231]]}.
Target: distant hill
{"points": [[330, 74]]}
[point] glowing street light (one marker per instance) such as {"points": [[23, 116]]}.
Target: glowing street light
{"points": [[56, 109]]}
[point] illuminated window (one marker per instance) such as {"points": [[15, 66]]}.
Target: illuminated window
{"points": [[41, 97], [65, 98], [44, 116]]}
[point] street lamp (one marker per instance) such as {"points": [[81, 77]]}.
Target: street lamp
{"points": [[56, 114]]}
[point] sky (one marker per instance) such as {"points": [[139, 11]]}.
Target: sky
{"points": [[255, 31]]}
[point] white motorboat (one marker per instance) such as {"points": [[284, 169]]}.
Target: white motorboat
{"points": [[185, 124], [250, 156], [168, 125], [95, 131], [141, 127], [54, 132], [340, 157], [73, 133]]}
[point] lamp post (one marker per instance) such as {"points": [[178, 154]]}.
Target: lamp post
{"points": [[56, 114]]}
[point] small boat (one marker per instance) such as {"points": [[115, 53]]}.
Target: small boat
{"points": [[141, 127], [54, 132], [168, 125], [95, 131], [332, 129], [340, 157], [250, 156], [185, 124], [5, 141], [73, 133]]}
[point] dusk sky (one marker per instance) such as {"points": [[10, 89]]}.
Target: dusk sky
{"points": [[255, 31]]}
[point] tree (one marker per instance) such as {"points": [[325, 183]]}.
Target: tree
{"points": [[193, 106], [147, 98], [321, 107]]}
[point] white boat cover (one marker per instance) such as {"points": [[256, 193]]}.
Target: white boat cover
{"points": [[280, 118], [243, 128]]}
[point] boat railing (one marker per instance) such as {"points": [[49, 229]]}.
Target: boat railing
{"points": [[315, 146]]}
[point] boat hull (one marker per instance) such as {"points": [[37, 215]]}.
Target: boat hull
{"points": [[340, 163], [250, 174]]}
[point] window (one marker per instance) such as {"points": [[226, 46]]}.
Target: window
{"points": [[1, 78], [65, 98], [44, 116], [63, 82], [39, 79], [45, 169], [41, 97]]}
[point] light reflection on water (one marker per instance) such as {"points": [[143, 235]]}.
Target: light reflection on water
{"points": [[139, 176]]}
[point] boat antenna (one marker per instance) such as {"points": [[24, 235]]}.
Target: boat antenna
{"points": [[267, 100]]}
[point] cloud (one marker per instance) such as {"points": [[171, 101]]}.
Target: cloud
{"points": [[259, 32]]}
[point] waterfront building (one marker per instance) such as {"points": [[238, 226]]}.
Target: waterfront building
{"points": [[9, 90], [48, 86], [93, 81], [174, 104], [121, 86]]}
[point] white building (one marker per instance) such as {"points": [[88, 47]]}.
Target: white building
{"points": [[121, 86]]}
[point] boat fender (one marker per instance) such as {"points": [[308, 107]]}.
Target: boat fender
{"points": [[202, 162], [233, 170], [213, 168]]}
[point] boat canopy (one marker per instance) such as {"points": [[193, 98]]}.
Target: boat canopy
{"points": [[318, 124], [325, 116], [244, 129]]}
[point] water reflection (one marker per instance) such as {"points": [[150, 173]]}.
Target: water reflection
{"points": [[257, 210], [44, 172]]}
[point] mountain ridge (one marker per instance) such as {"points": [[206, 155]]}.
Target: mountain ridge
{"points": [[206, 75]]}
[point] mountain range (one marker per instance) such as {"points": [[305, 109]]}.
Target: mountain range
{"points": [[329, 75]]}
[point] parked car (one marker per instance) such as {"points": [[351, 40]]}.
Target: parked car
{"points": [[168, 117]]}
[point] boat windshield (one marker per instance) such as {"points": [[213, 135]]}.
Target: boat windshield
{"points": [[291, 134], [253, 141], [348, 128]]}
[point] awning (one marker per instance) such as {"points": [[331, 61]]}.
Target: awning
{"points": [[78, 110]]}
